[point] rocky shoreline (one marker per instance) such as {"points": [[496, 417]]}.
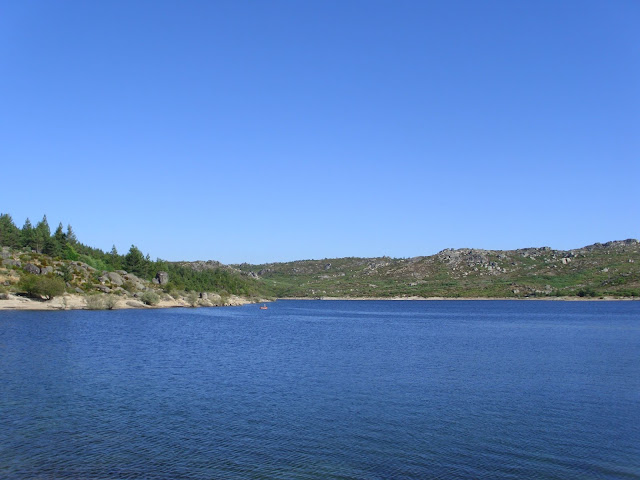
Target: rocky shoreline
{"points": [[79, 302]]}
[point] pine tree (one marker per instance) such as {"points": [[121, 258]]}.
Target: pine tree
{"points": [[42, 232], [71, 237], [56, 244], [28, 234], [114, 259], [9, 233], [134, 262]]}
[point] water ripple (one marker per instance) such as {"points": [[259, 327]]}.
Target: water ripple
{"points": [[323, 390]]}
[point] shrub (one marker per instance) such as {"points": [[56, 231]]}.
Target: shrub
{"points": [[192, 299], [111, 302], [4, 294], [65, 273], [150, 298], [95, 302], [39, 286]]}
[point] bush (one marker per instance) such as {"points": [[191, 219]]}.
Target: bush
{"points": [[111, 302], [192, 299], [38, 286], [4, 294], [95, 302], [150, 298], [65, 273]]}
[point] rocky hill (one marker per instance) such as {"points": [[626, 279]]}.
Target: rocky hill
{"points": [[27, 275], [609, 269]]}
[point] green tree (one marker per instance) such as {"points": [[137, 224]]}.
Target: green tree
{"points": [[28, 234], [39, 286], [55, 245], [70, 253], [9, 233], [71, 237], [114, 259], [42, 233], [134, 262]]}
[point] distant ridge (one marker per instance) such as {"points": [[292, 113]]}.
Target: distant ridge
{"points": [[601, 269]]}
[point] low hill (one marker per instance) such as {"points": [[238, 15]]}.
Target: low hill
{"points": [[609, 269]]}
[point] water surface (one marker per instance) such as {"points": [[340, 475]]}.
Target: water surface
{"points": [[324, 390]]}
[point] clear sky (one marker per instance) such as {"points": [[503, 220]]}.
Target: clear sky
{"points": [[258, 131]]}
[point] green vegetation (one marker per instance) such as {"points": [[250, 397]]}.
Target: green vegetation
{"points": [[95, 302], [41, 286], [37, 245], [599, 270], [150, 298]]}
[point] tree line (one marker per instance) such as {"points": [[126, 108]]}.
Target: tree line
{"points": [[63, 244]]}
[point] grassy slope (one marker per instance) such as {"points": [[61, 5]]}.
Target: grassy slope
{"points": [[601, 269]]}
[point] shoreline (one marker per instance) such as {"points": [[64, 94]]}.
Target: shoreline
{"points": [[78, 302], [429, 299]]}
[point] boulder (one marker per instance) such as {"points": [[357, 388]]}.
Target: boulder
{"points": [[204, 295], [103, 288], [162, 277], [31, 268], [11, 263], [45, 270], [115, 278]]}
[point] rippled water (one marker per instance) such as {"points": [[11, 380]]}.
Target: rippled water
{"points": [[324, 390]]}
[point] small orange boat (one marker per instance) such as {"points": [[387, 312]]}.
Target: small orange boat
{"points": [[264, 307]]}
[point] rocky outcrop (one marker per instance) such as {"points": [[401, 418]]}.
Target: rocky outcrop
{"points": [[31, 268], [162, 277], [115, 278], [45, 270], [11, 263]]}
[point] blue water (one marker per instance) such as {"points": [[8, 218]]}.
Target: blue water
{"points": [[324, 390]]}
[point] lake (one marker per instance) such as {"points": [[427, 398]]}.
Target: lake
{"points": [[324, 390]]}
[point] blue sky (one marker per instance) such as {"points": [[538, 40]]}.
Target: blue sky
{"points": [[258, 131]]}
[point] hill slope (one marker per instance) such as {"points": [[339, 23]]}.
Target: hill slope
{"points": [[609, 269]]}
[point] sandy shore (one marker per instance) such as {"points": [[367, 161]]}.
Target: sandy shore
{"points": [[78, 302]]}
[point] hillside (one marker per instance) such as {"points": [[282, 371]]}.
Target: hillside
{"points": [[609, 269], [36, 265]]}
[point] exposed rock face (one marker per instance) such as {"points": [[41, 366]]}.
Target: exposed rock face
{"points": [[11, 263], [162, 277], [115, 278], [45, 270], [327, 266], [31, 268]]}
